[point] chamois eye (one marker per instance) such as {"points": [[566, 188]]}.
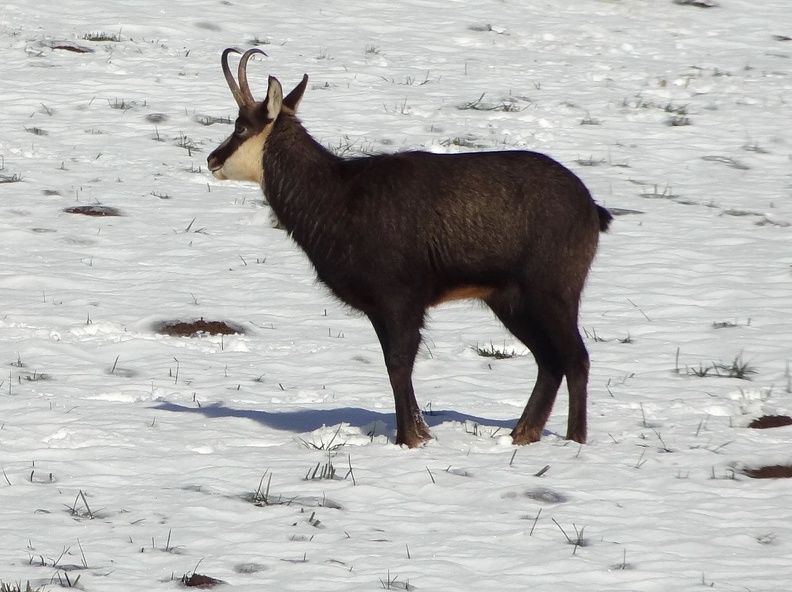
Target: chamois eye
{"points": [[240, 129]]}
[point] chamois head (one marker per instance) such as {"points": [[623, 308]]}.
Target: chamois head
{"points": [[239, 157]]}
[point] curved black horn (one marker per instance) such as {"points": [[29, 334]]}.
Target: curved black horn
{"points": [[239, 97], [242, 73]]}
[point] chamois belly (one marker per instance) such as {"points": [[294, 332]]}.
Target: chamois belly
{"points": [[463, 293]]}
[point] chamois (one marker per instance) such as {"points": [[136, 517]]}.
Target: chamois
{"points": [[394, 234]]}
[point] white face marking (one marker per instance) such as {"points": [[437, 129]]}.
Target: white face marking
{"points": [[245, 163]]}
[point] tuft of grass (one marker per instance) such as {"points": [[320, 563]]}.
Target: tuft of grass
{"points": [[15, 178], [402, 108], [121, 104], [506, 105], [347, 146], [493, 352], [17, 587], [211, 119], [80, 510], [578, 540], [593, 335], [623, 565], [37, 376], [676, 109], [663, 446], [314, 521], [463, 142], [666, 193], [330, 445], [730, 324], [679, 121], [65, 581], [679, 115], [188, 144], [320, 471], [393, 583], [102, 37], [189, 228], [701, 371], [589, 120], [738, 368], [262, 497], [413, 81], [590, 161]]}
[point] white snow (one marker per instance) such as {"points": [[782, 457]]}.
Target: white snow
{"points": [[129, 459]]}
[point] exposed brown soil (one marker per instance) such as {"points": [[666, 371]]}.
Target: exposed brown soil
{"points": [[200, 581], [770, 421], [770, 472], [197, 328], [94, 210]]}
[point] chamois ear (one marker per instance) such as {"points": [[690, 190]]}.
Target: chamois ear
{"points": [[274, 98], [292, 100]]}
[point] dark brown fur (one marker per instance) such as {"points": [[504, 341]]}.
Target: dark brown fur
{"points": [[392, 235]]}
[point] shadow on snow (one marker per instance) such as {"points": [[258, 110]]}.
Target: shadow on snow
{"points": [[308, 420]]}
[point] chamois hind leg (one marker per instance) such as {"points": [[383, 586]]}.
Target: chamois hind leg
{"points": [[577, 375], [561, 323], [400, 338], [548, 327]]}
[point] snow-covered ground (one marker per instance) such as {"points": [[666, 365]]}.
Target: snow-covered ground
{"points": [[131, 459]]}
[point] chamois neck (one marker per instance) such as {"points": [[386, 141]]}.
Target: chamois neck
{"points": [[291, 150], [301, 178]]}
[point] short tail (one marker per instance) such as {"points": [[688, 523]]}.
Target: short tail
{"points": [[605, 218]]}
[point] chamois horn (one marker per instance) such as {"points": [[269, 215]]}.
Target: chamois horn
{"points": [[242, 72], [241, 90]]}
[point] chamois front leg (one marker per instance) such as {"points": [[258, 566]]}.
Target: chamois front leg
{"points": [[400, 338]]}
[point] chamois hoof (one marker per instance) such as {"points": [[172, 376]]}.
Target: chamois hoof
{"points": [[414, 438], [576, 431], [523, 437]]}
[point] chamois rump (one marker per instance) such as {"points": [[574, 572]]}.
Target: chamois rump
{"points": [[394, 234]]}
